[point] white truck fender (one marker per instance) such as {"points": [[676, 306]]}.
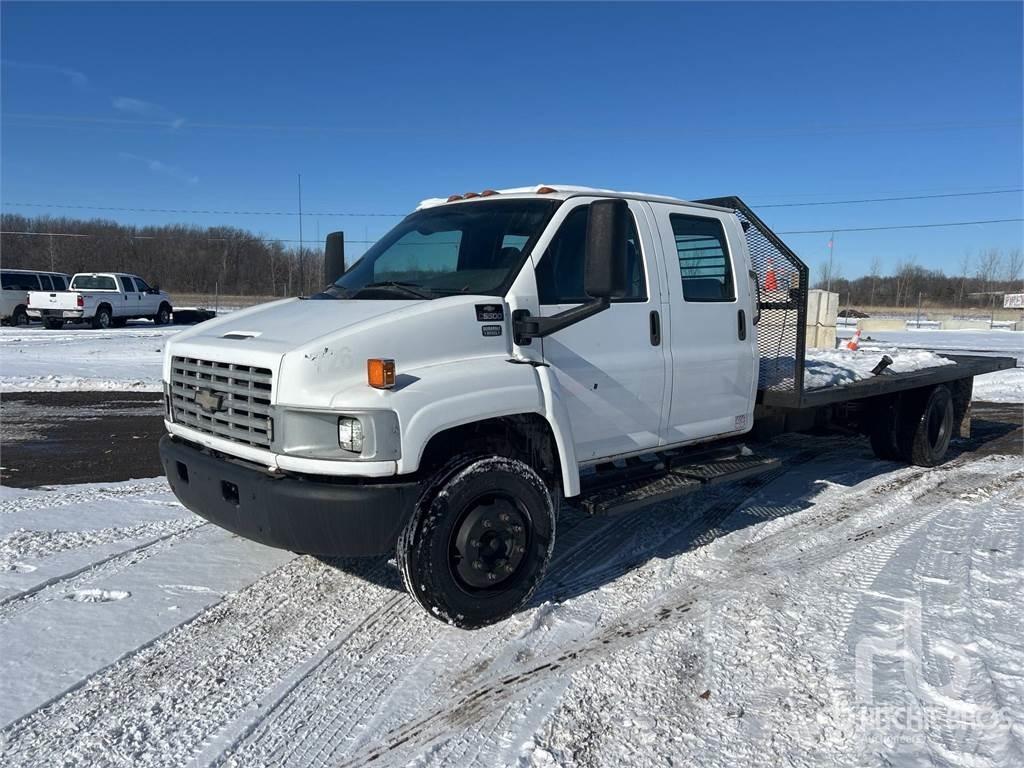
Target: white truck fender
{"points": [[453, 394]]}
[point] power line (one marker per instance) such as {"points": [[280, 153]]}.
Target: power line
{"points": [[195, 210], [285, 240], [401, 215], [888, 199], [894, 226], [169, 237]]}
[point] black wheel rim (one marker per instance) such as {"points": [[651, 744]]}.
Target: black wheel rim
{"points": [[104, 320], [489, 544]]}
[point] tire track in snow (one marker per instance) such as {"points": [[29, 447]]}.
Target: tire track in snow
{"points": [[491, 698], [14, 605], [168, 702]]}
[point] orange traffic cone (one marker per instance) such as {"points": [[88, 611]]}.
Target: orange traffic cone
{"points": [[853, 343], [771, 282]]}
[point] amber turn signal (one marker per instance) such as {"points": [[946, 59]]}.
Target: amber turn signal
{"points": [[380, 373]]}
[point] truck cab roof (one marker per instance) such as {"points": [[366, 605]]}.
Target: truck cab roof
{"points": [[557, 192]]}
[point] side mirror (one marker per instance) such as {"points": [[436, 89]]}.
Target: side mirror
{"points": [[606, 266], [334, 257], [155, 288]]}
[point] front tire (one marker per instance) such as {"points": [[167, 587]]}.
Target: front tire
{"points": [[479, 541], [163, 316]]}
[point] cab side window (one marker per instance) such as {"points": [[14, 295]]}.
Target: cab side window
{"points": [[19, 281], [129, 286], [703, 258], [141, 285], [44, 281], [58, 283], [560, 272]]}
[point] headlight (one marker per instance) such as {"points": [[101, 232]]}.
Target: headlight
{"points": [[350, 434]]}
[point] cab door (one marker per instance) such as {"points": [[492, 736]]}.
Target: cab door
{"points": [[149, 302], [611, 366], [711, 345]]}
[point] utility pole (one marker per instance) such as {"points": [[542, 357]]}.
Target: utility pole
{"points": [[302, 261], [919, 294], [831, 243]]}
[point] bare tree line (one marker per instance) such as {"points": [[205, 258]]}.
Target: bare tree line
{"points": [[981, 277], [182, 258]]}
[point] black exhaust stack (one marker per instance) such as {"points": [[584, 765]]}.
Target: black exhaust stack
{"points": [[334, 257]]}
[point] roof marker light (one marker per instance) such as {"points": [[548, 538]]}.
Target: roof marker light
{"points": [[489, 192], [469, 195], [453, 198], [545, 190]]}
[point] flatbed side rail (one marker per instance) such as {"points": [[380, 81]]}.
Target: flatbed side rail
{"points": [[783, 282], [966, 366]]}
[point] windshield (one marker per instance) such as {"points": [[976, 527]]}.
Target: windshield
{"points": [[93, 283], [475, 248]]}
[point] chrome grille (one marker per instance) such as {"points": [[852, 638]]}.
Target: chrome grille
{"points": [[222, 399]]}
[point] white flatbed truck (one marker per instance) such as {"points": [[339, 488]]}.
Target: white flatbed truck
{"points": [[497, 352]]}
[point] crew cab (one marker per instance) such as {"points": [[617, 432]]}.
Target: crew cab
{"points": [[103, 299], [14, 287], [495, 353]]}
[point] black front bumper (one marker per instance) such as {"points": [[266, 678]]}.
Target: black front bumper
{"points": [[289, 512]]}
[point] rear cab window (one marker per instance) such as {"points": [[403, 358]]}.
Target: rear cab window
{"points": [[93, 283], [58, 283], [46, 283], [705, 264]]}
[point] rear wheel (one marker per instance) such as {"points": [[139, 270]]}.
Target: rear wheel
{"points": [[479, 540], [163, 316], [102, 318], [925, 427], [19, 316]]}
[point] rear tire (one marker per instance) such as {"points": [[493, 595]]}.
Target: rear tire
{"points": [[101, 320], [52, 324], [925, 427], [479, 540], [163, 316], [19, 316]]}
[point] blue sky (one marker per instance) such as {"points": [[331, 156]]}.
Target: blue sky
{"points": [[219, 107]]}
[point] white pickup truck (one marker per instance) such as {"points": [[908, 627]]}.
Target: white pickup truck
{"points": [[103, 299], [497, 352]]}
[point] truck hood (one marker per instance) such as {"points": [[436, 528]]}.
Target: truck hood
{"points": [[317, 349], [281, 326]]}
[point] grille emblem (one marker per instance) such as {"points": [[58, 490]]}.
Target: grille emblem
{"points": [[209, 401]]}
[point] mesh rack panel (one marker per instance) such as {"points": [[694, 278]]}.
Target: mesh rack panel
{"points": [[782, 280]]}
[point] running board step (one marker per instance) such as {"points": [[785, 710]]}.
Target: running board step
{"points": [[682, 479]]}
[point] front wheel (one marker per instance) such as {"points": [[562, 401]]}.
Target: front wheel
{"points": [[163, 316], [479, 541]]}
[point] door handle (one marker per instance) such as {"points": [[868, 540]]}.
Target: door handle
{"points": [[655, 328], [741, 325]]}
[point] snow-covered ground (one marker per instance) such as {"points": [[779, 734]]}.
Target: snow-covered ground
{"points": [[840, 611], [77, 358]]}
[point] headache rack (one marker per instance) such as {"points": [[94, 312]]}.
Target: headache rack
{"points": [[782, 281]]}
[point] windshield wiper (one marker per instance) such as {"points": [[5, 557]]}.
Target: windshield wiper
{"points": [[409, 288]]}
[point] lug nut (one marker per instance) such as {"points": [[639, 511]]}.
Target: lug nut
{"points": [[492, 576], [478, 565], [520, 549], [517, 528], [474, 543], [487, 523], [503, 517]]}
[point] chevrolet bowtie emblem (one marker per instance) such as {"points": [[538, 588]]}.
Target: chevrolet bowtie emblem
{"points": [[209, 401]]}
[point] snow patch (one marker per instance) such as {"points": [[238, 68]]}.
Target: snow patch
{"points": [[835, 367]]}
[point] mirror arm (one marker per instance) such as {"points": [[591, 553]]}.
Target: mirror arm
{"points": [[528, 327]]}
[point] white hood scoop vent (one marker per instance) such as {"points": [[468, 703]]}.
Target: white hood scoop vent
{"points": [[241, 335]]}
